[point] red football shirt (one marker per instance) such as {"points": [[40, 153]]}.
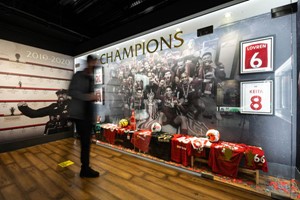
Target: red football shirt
{"points": [[186, 150], [141, 140], [255, 158], [225, 158], [175, 151], [109, 132], [181, 149], [110, 135]]}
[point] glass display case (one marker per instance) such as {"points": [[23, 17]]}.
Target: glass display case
{"points": [[221, 103]]}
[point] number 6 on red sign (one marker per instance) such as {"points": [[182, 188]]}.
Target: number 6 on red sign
{"points": [[256, 55]]}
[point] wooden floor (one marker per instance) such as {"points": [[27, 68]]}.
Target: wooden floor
{"points": [[32, 173]]}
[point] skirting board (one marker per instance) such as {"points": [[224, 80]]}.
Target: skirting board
{"points": [[34, 141]]}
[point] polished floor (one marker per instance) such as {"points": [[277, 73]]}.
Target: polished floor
{"points": [[33, 174]]}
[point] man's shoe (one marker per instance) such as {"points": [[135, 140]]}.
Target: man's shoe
{"points": [[89, 173]]}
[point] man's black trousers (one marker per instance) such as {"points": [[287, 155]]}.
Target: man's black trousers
{"points": [[84, 129]]}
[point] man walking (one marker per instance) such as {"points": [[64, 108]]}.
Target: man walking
{"points": [[81, 111]]}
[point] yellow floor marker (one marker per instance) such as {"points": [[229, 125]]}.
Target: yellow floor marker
{"points": [[66, 163]]}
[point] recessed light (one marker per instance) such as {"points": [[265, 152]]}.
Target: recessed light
{"points": [[227, 15]]}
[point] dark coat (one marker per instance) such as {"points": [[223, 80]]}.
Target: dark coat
{"points": [[80, 87]]}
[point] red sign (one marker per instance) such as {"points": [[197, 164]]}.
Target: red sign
{"points": [[98, 79], [257, 55], [98, 76]]}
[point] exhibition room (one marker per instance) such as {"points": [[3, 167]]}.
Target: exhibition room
{"points": [[149, 99]]}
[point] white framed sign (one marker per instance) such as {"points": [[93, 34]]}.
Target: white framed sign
{"points": [[100, 94], [256, 55], [98, 76], [257, 97]]}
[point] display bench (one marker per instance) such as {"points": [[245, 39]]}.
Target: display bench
{"points": [[223, 158], [255, 173]]}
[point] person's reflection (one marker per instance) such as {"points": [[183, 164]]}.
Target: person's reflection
{"points": [[81, 90]]}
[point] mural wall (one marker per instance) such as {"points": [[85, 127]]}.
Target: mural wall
{"points": [[33, 92]]}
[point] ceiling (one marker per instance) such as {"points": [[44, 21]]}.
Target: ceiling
{"points": [[75, 26]]}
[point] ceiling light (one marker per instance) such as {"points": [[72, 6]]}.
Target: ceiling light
{"points": [[149, 9], [227, 15], [136, 3]]}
